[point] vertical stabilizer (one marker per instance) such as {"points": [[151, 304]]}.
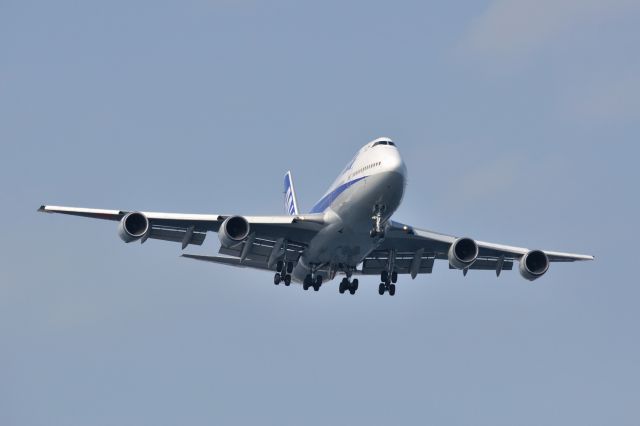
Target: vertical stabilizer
{"points": [[290, 200]]}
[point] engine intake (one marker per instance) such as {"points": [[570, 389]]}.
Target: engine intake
{"points": [[133, 226], [233, 231], [462, 253], [533, 265]]}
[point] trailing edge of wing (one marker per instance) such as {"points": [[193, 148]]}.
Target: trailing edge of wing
{"points": [[248, 263]]}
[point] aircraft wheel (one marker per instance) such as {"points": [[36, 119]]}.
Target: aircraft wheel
{"points": [[392, 289], [381, 289], [384, 276], [394, 277], [343, 287], [287, 280], [276, 279], [316, 287], [289, 267], [279, 266]]}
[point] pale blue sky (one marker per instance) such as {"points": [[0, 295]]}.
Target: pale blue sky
{"points": [[519, 123]]}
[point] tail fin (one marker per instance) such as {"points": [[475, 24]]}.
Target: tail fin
{"points": [[290, 200]]}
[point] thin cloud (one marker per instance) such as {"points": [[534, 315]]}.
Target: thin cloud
{"points": [[512, 28], [617, 99]]}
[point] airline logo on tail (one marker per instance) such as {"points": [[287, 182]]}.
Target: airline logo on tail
{"points": [[290, 201]]}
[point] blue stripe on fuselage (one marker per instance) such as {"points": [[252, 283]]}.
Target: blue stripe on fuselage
{"points": [[328, 199]]}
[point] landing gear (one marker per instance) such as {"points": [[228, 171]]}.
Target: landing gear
{"points": [[387, 277], [378, 229], [309, 281], [384, 287], [351, 286], [318, 283], [284, 273]]}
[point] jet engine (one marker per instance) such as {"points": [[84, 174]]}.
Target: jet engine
{"points": [[462, 253], [233, 231], [533, 265], [133, 226]]}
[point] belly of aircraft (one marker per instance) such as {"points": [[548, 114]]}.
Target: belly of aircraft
{"points": [[349, 242]]}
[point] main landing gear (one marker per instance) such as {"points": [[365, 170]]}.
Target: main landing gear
{"points": [[388, 283], [345, 285], [309, 281], [391, 288], [284, 273]]}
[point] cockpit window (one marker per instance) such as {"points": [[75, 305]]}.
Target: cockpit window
{"points": [[383, 143]]}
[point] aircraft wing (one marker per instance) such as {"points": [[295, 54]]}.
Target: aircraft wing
{"points": [[416, 251], [192, 228]]}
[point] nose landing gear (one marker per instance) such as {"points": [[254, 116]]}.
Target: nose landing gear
{"points": [[378, 228]]}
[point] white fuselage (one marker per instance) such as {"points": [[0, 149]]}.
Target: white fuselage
{"points": [[374, 180]]}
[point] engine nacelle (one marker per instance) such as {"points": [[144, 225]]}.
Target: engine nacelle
{"points": [[462, 253], [133, 226], [233, 231], [533, 265]]}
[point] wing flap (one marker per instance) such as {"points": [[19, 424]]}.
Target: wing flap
{"points": [[374, 265], [486, 264], [228, 261], [261, 249], [176, 235]]}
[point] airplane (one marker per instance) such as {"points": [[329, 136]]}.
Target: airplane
{"points": [[348, 232]]}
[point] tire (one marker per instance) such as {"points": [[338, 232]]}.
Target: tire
{"points": [[354, 284], [392, 290], [289, 267], [319, 280], [279, 266], [384, 276], [305, 286], [276, 279], [381, 289], [316, 287], [342, 287], [287, 280], [394, 277]]}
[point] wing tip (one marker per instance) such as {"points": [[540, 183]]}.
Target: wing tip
{"points": [[42, 209]]}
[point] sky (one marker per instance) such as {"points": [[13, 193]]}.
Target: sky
{"points": [[519, 123]]}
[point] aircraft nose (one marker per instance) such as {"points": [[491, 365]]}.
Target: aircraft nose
{"points": [[395, 163]]}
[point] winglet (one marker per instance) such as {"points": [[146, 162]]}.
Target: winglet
{"points": [[290, 200]]}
